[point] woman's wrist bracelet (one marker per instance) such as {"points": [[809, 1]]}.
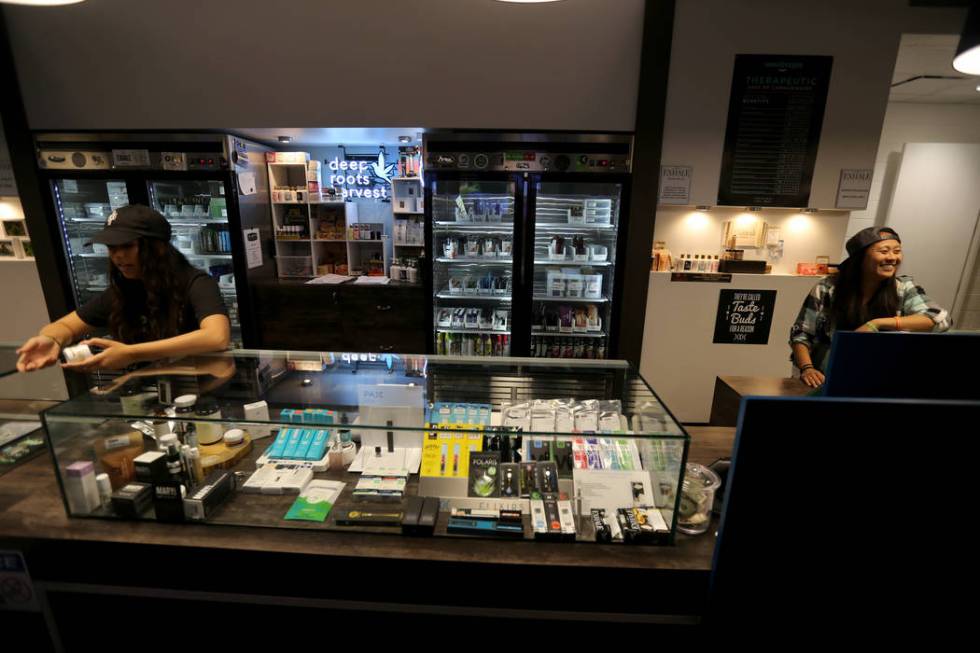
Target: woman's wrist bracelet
{"points": [[804, 368], [871, 326]]}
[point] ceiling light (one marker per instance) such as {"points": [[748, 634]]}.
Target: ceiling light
{"points": [[43, 3], [404, 139], [285, 139], [967, 59]]}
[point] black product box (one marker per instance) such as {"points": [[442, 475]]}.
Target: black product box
{"points": [[168, 502], [132, 500], [484, 474], [742, 267], [563, 457], [151, 467], [203, 499], [546, 478], [539, 450], [510, 480], [527, 479], [369, 517], [410, 520], [429, 516]]}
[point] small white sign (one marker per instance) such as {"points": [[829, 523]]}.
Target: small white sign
{"points": [[253, 248], [131, 158], [246, 183], [675, 184], [854, 188]]}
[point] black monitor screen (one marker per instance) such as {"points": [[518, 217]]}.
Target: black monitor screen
{"points": [[904, 365], [835, 507]]}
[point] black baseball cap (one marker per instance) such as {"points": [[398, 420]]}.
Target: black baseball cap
{"points": [[128, 223], [867, 237]]}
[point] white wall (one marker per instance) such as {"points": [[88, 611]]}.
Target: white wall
{"points": [[908, 122], [313, 63], [863, 38], [805, 235]]}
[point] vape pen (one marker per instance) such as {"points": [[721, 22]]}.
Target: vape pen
{"points": [[455, 459], [442, 460]]}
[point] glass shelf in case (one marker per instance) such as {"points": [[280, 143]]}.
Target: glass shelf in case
{"points": [[592, 430]]}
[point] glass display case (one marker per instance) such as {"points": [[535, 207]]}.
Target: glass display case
{"points": [[517, 448]]}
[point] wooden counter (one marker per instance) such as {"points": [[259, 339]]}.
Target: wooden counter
{"points": [[729, 391], [86, 556]]}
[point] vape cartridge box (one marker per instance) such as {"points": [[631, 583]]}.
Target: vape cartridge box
{"points": [[151, 467], [567, 520], [546, 478], [304, 444], [484, 474], [279, 444], [295, 435], [318, 447], [510, 480], [168, 504], [552, 516], [564, 457], [204, 498], [316, 501], [429, 515], [539, 522], [132, 499]]}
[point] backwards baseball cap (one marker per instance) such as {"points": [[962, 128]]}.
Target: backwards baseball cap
{"points": [[128, 223], [867, 237]]}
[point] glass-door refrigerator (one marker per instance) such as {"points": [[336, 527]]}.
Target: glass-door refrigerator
{"points": [[473, 232], [210, 187], [562, 202]]}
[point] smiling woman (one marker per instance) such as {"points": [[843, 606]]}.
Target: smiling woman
{"points": [[866, 295], [157, 305]]}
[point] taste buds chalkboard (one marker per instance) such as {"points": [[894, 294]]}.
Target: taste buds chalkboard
{"points": [[744, 317]]}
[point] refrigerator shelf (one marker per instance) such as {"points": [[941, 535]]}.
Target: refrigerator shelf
{"points": [[227, 256], [90, 255], [197, 223], [478, 332], [486, 261], [572, 300], [484, 298], [545, 227], [479, 227], [571, 263], [569, 334]]}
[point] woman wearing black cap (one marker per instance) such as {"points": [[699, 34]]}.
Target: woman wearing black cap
{"points": [[865, 295], [156, 306]]}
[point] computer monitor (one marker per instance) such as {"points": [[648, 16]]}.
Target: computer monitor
{"points": [[904, 365], [839, 511]]}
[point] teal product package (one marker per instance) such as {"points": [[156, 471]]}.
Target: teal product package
{"points": [[304, 444], [279, 444], [316, 501], [318, 447], [295, 435]]}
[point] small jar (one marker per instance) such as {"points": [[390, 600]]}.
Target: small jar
{"points": [[184, 408], [234, 438], [209, 431], [132, 399]]}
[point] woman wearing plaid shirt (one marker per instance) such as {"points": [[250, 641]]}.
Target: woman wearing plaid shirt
{"points": [[866, 295]]}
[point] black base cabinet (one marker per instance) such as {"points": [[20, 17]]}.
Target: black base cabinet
{"points": [[347, 317]]}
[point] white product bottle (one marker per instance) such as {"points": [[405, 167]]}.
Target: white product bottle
{"points": [[81, 490], [715, 263]]}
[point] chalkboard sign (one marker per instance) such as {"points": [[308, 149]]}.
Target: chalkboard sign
{"points": [[744, 317], [775, 113]]}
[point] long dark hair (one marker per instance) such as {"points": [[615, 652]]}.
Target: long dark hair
{"points": [[847, 309], [160, 264]]}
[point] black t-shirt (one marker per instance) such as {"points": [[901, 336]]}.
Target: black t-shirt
{"points": [[201, 299]]}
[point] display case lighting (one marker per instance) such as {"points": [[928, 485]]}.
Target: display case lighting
{"points": [[404, 139], [285, 139]]}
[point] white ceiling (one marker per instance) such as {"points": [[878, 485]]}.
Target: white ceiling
{"points": [[333, 136], [931, 54]]}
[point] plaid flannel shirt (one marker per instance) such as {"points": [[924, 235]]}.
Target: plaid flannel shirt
{"points": [[813, 326]]}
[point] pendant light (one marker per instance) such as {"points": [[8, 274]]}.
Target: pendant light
{"points": [[967, 59]]}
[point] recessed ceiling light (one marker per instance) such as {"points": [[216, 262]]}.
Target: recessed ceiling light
{"points": [[404, 139], [285, 139]]}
